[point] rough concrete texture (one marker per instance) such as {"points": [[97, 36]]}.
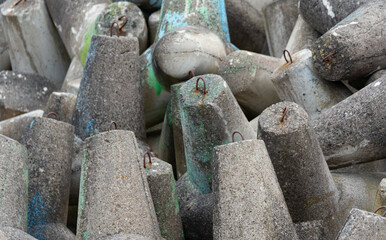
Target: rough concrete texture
{"points": [[178, 139], [76, 168], [156, 97], [74, 72], [14, 184], [357, 190], [13, 127], [146, 4], [363, 225], [153, 136], [163, 192], [248, 75], [302, 36], [299, 82], [166, 144], [246, 25], [280, 18], [108, 91], [375, 76], [322, 15], [127, 237], [208, 14], [135, 26], [73, 18], [255, 125], [312, 230], [355, 129], [339, 56], [22, 92], [208, 117], [185, 49], [153, 22], [24, 25], [62, 104], [10, 233], [374, 166], [380, 199], [49, 145], [57, 231], [245, 209], [186, 190], [114, 193], [303, 174], [5, 62]]}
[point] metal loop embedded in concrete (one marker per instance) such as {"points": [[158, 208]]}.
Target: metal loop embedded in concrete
{"points": [[289, 55], [144, 159], [284, 114], [17, 3], [198, 79], [382, 207], [325, 59], [191, 74], [233, 136], [124, 23], [111, 126], [52, 114], [111, 29]]}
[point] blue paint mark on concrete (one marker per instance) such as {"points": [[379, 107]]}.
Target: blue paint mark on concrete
{"points": [[38, 216], [32, 123], [224, 20], [91, 127], [170, 21]]}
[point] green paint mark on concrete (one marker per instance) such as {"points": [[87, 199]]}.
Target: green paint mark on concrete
{"points": [[86, 43], [204, 12], [86, 235], [234, 69], [153, 82], [170, 118], [254, 68]]}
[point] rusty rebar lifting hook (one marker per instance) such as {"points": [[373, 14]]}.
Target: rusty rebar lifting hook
{"points": [[198, 79], [289, 55], [113, 124], [233, 136], [284, 114], [144, 159], [111, 29], [52, 114]]}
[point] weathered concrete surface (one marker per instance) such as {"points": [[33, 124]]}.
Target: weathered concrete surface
{"points": [[340, 56], [49, 144], [146, 4], [163, 192], [303, 174], [302, 36], [153, 22], [248, 75], [363, 225], [166, 144], [14, 187], [10, 233], [34, 43], [74, 72], [108, 91], [299, 82], [73, 18], [208, 117], [380, 199], [374, 77], [5, 62], [13, 127], [22, 92], [245, 209], [76, 168], [312, 230], [373, 166], [127, 237], [135, 26], [246, 25], [62, 104], [57, 231], [280, 18], [185, 49], [114, 194], [355, 131], [322, 15]]}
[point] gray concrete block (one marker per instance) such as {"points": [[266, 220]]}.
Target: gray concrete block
{"points": [[74, 72], [153, 22], [22, 92], [380, 199], [353, 130], [127, 237], [166, 143], [340, 56], [146, 4], [62, 104], [49, 145], [363, 225], [109, 91], [34, 43], [5, 62], [375, 76], [248, 75], [114, 194], [13, 127], [10, 233], [163, 192], [186, 190], [312, 230], [303, 174], [248, 201], [57, 231], [209, 116], [14, 187], [299, 82], [374, 166]]}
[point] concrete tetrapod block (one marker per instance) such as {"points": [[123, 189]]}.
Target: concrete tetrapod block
{"points": [[34, 43], [302, 36], [22, 92], [110, 89], [248, 201], [134, 25], [178, 139], [353, 130], [49, 144], [127, 237], [363, 225], [303, 174], [166, 144], [114, 193], [62, 104], [153, 22], [380, 199], [5, 62], [146, 4], [56, 231], [10, 233], [374, 166], [248, 75], [73, 18], [74, 73], [375, 76], [14, 187], [280, 18], [299, 82], [312, 230], [13, 127], [322, 15], [163, 192], [209, 116], [354, 47]]}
